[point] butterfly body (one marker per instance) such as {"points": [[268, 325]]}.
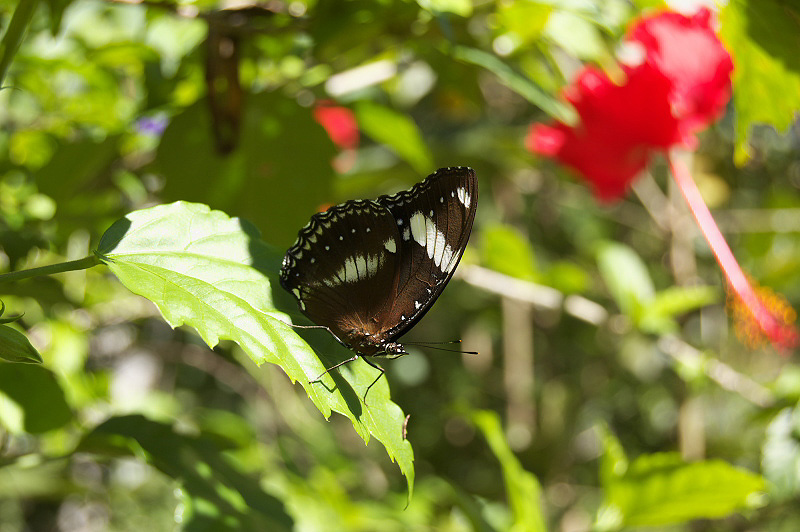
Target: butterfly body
{"points": [[368, 270]]}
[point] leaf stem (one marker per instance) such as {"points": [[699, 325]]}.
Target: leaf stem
{"points": [[80, 264], [14, 34]]}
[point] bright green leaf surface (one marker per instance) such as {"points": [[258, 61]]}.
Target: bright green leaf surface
{"points": [[661, 489], [658, 315], [763, 37], [15, 347], [626, 277], [524, 492], [211, 272], [397, 131], [458, 7], [507, 251], [526, 19]]}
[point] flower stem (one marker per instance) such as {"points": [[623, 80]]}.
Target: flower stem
{"points": [[80, 264], [737, 279]]}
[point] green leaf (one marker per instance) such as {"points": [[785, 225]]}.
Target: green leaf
{"points": [[763, 36], [397, 131], [614, 462], [526, 19], [781, 454], [15, 347], [211, 272], [219, 496], [457, 7], [522, 487], [661, 489], [626, 277], [658, 315], [35, 390], [518, 83], [277, 177], [507, 251]]}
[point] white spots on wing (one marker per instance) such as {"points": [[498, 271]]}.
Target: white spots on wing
{"points": [[356, 268], [418, 228], [348, 271], [296, 292], [327, 248], [341, 237], [354, 230], [463, 196], [313, 260], [361, 265], [427, 235], [312, 238], [299, 254], [452, 194], [368, 229], [431, 213], [390, 245], [406, 234], [403, 317], [441, 199], [447, 258], [417, 305], [399, 221]]}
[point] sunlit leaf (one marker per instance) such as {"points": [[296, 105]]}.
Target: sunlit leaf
{"points": [[661, 489], [457, 7], [626, 277], [522, 487], [763, 37], [658, 316], [211, 272], [397, 131], [507, 251]]}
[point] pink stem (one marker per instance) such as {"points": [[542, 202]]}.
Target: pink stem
{"points": [[733, 272]]}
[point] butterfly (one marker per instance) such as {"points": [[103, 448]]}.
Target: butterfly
{"points": [[369, 270]]}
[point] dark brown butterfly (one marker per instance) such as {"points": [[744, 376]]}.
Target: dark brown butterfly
{"points": [[368, 270]]}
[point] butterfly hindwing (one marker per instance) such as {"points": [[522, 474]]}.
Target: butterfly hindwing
{"points": [[340, 263]]}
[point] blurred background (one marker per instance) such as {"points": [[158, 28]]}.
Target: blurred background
{"points": [[601, 327]]}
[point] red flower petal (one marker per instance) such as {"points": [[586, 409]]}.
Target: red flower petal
{"points": [[340, 124], [687, 51]]}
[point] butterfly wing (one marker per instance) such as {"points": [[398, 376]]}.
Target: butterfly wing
{"points": [[342, 266], [434, 220]]}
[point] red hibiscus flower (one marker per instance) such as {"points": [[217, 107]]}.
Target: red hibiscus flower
{"points": [[681, 84]]}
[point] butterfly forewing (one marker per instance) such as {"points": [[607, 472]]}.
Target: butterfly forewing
{"points": [[340, 264], [434, 220]]}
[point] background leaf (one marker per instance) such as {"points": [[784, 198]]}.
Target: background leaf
{"points": [[15, 347], [763, 37], [398, 132], [661, 489]]}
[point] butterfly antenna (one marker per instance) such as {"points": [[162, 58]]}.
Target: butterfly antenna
{"points": [[432, 345]]}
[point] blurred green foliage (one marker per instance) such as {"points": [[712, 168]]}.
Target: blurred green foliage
{"points": [[121, 423]]}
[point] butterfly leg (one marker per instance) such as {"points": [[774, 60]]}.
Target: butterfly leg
{"points": [[382, 371], [342, 363]]}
